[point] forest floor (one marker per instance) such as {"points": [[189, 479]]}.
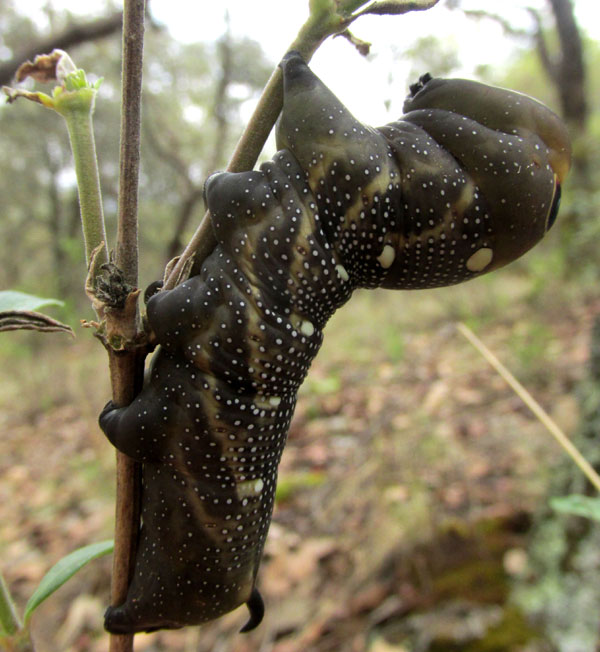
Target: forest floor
{"points": [[411, 490]]}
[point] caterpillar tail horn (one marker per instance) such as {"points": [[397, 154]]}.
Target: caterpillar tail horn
{"points": [[256, 607]]}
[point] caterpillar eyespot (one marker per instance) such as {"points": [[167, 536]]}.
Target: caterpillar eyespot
{"points": [[467, 181]]}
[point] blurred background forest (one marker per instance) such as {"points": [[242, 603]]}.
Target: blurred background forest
{"points": [[412, 511]]}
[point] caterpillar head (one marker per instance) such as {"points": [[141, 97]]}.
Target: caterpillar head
{"points": [[499, 109], [515, 150], [466, 182]]}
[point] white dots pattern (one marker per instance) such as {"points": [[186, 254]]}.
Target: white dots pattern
{"points": [[419, 203]]}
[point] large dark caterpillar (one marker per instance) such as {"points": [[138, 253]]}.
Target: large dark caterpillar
{"points": [[466, 182]]}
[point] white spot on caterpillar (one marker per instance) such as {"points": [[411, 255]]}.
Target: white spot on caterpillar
{"points": [[307, 328], [258, 486], [264, 403], [247, 488], [466, 197], [342, 273], [480, 260], [386, 257]]}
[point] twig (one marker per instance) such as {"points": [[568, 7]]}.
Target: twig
{"points": [[533, 405], [126, 253], [81, 136], [126, 369]]}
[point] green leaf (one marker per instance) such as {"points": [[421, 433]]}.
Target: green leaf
{"points": [[13, 300], [578, 505], [63, 570], [76, 80], [396, 7], [9, 620], [17, 312]]}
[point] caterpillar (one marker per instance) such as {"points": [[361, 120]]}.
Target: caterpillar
{"points": [[467, 181]]}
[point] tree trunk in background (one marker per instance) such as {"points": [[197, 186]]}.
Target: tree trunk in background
{"points": [[568, 68], [567, 71], [565, 68]]}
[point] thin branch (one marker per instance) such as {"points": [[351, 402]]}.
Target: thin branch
{"points": [[126, 254], [81, 136], [127, 369]]}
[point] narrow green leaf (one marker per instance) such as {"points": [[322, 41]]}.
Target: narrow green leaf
{"points": [[9, 619], [396, 7], [578, 505], [63, 570], [13, 300]]}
